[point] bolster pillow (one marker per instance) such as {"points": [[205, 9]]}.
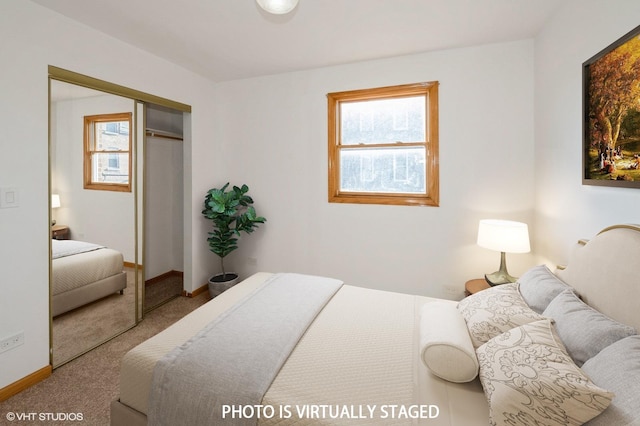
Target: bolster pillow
{"points": [[445, 345]]}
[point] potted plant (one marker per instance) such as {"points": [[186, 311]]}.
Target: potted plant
{"points": [[231, 212]]}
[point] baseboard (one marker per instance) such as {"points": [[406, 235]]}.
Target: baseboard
{"points": [[28, 381], [164, 276], [196, 292], [131, 265]]}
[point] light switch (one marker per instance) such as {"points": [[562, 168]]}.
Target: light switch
{"points": [[9, 197]]}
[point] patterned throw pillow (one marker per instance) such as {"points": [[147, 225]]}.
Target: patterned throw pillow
{"points": [[491, 312], [529, 378]]}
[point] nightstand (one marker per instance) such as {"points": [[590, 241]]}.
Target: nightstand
{"points": [[59, 232], [474, 286]]}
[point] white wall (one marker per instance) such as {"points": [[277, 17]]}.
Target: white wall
{"points": [[31, 38], [272, 135], [565, 209], [100, 217]]}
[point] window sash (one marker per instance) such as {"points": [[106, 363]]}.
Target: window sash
{"points": [[97, 173], [430, 195], [383, 169]]}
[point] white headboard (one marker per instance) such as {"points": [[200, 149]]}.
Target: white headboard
{"points": [[605, 271]]}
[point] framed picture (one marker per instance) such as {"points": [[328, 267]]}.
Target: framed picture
{"points": [[611, 107]]}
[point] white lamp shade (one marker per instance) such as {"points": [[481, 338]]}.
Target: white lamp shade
{"points": [[278, 7], [504, 235], [55, 201]]}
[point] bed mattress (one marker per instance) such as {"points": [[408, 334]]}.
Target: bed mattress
{"points": [[71, 272], [360, 352]]}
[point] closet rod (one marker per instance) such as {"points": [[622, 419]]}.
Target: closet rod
{"points": [[159, 134]]}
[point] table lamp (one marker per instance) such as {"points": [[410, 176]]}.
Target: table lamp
{"points": [[504, 236]]}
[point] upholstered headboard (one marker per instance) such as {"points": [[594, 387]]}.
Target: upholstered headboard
{"points": [[605, 271]]}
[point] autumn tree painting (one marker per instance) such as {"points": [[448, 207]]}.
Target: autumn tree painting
{"points": [[612, 118]]}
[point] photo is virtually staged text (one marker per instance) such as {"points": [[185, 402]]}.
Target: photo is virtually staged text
{"points": [[327, 411]]}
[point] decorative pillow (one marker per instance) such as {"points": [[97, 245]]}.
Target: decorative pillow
{"points": [[491, 312], [539, 286], [528, 378], [617, 367], [583, 330], [445, 345]]}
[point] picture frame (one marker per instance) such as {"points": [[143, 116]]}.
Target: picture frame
{"points": [[611, 114]]}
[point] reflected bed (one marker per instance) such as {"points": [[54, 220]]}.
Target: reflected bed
{"points": [[84, 272]]}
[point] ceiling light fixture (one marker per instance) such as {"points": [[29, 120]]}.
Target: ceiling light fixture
{"points": [[278, 7]]}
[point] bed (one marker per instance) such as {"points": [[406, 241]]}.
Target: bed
{"points": [[83, 273], [506, 355]]}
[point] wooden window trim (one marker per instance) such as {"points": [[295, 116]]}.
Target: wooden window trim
{"points": [[432, 195], [89, 121]]}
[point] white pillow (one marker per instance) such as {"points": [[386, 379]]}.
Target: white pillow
{"points": [[529, 378], [445, 345], [491, 312]]}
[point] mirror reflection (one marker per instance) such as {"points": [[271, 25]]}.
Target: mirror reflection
{"points": [[92, 181]]}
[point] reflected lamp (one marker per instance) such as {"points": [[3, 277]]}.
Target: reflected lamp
{"points": [[504, 236], [55, 203]]}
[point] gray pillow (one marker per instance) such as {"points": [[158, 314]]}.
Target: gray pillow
{"points": [[539, 286], [617, 368], [583, 330]]}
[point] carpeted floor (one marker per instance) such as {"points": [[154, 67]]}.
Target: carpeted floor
{"points": [[162, 291], [88, 384], [81, 329]]}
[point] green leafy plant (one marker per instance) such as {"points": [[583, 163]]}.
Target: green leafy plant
{"points": [[231, 212]]}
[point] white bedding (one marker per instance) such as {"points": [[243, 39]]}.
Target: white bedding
{"points": [[63, 248], [74, 271], [361, 351]]}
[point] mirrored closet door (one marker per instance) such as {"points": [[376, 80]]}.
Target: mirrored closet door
{"points": [[94, 184], [101, 156]]}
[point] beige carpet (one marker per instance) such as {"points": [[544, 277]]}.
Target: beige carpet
{"points": [[89, 383], [162, 291], [83, 328]]}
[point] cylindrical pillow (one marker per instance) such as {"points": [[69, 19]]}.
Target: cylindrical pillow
{"points": [[445, 345]]}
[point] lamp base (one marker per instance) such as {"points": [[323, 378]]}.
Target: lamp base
{"points": [[500, 276]]}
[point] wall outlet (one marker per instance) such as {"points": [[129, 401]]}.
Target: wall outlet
{"points": [[12, 341]]}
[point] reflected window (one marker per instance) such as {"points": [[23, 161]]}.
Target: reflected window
{"points": [[107, 152]]}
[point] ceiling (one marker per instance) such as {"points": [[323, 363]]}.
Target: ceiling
{"points": [[235, 39]]}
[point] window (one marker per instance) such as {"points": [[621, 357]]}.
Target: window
{"points": [[383, 145], [107, 152]]}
